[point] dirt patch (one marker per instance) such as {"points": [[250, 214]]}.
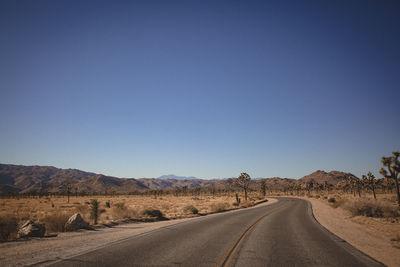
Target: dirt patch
{"points": [[376, 237]]}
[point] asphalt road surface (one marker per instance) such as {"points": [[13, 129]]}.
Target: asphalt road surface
{"points": [[282, 234]]}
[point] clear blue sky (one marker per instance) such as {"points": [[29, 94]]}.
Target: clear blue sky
{"points": [[200, 88]]}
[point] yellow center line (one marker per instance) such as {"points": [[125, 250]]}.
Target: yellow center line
{"points": [[230, 253]]}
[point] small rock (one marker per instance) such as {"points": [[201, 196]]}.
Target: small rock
{"points": [[76, 222], [31, 229]]}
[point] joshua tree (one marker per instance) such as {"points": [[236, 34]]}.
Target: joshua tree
{"points": [[355, 184], [393, 165], [310, 186], [263, 187], [66, 188], [237, 198], [369, 182], [243, 181]]}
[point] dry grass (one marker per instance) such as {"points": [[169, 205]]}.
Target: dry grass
{"points": [[190, 209], [371, 208], [219, 206], [377, 237], [8, 228], [55, 211], [383, 207], [55, 222]]}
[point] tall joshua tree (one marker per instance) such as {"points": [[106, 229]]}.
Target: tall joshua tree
{"points": [[393, 166], [243, 181], [369, 182], [66, 188], [263, 187]]}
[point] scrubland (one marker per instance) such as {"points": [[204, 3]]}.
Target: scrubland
{"points": [[55, 211]]}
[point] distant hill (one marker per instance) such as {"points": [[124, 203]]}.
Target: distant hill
{"points": [[18, 178], [174, 177], [321, 177], [157, 183]]}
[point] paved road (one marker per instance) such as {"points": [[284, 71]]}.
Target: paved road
{"points": [[281, 234]]}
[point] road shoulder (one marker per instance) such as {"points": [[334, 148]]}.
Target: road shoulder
{"points": [[369, 235]]}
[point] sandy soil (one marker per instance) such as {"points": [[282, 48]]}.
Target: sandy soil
{"points": [[173, 207], [42, 250], [370, 235]]}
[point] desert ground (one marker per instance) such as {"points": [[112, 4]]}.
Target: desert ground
{"points": [[376, 235], [55, 211]]}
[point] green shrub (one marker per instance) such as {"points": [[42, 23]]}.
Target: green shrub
{"points": [[94, 210]]}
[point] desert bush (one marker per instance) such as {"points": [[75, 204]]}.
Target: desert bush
{"points": [[332, 200], [371, 208], [94, 210], [397, 240], [390, 211], [120, 205], [219, 206], [237, 198], [8, 228], [190, 209], [247, 204], [121, 211], [108, 205], [55, 222], [153, 213]]}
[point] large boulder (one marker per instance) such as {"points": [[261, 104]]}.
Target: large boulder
{"points": [[31, 229], [76, 222]]}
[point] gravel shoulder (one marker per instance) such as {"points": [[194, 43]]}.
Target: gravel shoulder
{"points": [[65, 245], [370, 235]]}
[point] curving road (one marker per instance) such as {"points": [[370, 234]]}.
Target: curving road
{"points": [[281, 234]]}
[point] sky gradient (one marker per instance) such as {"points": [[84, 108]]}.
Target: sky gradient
{"points": [[207, 88]]}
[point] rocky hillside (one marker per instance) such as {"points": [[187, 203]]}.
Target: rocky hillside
{"points": [[321, 177], [17, 178]]}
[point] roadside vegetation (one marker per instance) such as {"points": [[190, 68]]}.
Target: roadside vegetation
{"points": [[368, 196], [54, 211]]}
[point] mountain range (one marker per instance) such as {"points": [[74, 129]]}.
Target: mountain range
{"points": [[22, 179], [174, 177]]}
